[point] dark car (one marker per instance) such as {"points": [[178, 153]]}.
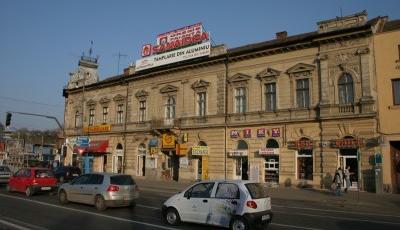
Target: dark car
{"points": [[66, 173]]}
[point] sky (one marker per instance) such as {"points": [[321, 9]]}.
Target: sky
{"points": [[41, 41]]}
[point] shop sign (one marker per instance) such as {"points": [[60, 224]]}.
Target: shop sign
{"points": [[97, 129], [261, 132], [199, 150], [168, 141], [238, 153], [247, 133], [181, 149], [234, 134], [183, 162], [276, 132], [268, 151], [303, 144], [347, 143], [153, 142], [183, 54]]}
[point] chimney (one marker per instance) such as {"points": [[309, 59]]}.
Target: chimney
{"points": [[281, 35]]}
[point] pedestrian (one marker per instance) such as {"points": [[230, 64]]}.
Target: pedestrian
{"points": [[347, 178], [338, 181]]}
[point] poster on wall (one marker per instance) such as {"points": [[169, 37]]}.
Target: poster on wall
{"points": [[254, 172], [184, 162]]}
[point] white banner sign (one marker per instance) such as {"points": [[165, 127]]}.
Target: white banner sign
{"points": [[238, 153], [200, 150], [187, 53], [268, 151]]}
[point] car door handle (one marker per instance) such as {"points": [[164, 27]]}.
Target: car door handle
{"points": [[205, 201]]}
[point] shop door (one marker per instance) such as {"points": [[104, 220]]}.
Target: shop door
{"points": [[141, 164], [204, 168], [199, 168], [245, 168], [272, 170], [352, 162], [87, 164], [117, 164], [395, 158]]}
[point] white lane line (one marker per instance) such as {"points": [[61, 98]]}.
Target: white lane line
{"points": [[150, 207], [90, 213], [337, 211], [342, 218], [15, 221], [12, 225], [294, 226]]}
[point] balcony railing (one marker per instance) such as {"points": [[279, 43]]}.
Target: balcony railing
{"points": [[348, 108]]}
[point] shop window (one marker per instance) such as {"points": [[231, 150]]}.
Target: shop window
{"points": [[346, 94], [305, 164]]}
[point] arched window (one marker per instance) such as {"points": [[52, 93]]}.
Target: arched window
{"points": [[242, 145], [271, 143], [202, 143], [346, 92], [170, 108], [142, 149], [119, 146]]}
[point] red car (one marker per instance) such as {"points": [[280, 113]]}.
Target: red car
{"points": [[32, 180]]}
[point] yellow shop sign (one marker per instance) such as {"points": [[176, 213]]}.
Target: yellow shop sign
{"points": [[97, 129]]}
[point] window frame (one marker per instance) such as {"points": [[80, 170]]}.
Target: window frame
{"points": [[91, 116], [270, 96], [142, 110], [105, 114], [240, 100], [170, 108], [120, 113], [78, 120], [303, 93], [201, 104], [396, 102], [346, 89]]}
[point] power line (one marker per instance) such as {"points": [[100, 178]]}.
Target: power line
{"points": [[30, 102]]}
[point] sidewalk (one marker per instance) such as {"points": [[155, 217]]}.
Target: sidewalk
{"points": [[352, 200]]}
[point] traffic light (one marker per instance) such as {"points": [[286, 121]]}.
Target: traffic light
{"points": [[8, 119]]}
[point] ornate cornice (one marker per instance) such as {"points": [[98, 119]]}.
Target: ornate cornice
{"points": [[168, 89], [119, 98], [141, 94], [268, 74], [200, 85], [239, 77]]}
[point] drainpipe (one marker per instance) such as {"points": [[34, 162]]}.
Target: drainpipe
{"points": [[321, 155], [226, 114], [125, 124]]}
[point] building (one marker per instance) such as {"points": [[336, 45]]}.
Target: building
{"points": [[286, 111], [387, 55]]}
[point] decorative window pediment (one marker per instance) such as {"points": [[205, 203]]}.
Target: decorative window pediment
{"points": [[168, 89], [200, 85], [301, 69], [119, 97], [141, 94], [268, 74], [104, 100], [91, 102], [239, 77]]}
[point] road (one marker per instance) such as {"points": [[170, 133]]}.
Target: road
{"points": [[43, 211]]}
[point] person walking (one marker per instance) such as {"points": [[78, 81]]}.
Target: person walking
{"points": [[338, 181], [347, 178]]}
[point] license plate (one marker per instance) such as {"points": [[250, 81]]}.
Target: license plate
{"points": [[265, 217], [46, 188], [75, 174]]}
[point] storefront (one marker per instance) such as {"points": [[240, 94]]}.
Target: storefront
{"points": [[271, 164], [349, 148], [304, 158], [200, 155], [91, 158], [170, 160], [240, 156]]}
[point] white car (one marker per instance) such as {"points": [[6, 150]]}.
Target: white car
{"points": [[234, 204]]}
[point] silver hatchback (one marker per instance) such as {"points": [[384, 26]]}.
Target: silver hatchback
{"points": [[101, 190]]}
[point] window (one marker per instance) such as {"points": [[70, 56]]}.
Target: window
{"points": [[105, 115], [302, 93], [83, 179], [170, 108], [240, 97], [202, 190], [396, 91], [77, 119], [398, 48], [120, 113], [91, 117], [227, 191], [346, 94], [270, 97], [201, 104], [142, 111], [257, 190]]}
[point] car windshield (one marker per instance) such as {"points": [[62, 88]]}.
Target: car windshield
{"points": [[257, 190], [4, 169], [122, 180], [42, 173]]}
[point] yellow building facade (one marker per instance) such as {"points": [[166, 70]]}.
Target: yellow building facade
{"points": [[288, 112]]}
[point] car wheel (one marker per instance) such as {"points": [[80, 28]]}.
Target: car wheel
{"points": [[100, 203], [62, 197], [172, 217], [62, 179], [238, 223], [28, 191]]}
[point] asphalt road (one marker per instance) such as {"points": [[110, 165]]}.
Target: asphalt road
{"points": [[42, 211]]}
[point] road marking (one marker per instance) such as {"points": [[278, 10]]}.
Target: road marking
{"points": [[13, 225], [337, 211], [90, 213], [15, 222], [150, 207], [342, 218], [294, 226]]}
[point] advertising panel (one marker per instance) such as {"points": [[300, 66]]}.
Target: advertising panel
{"points": [[200, 150], [268, 151], [168, 141], [179, 34], [238, 153], [187, 53]]}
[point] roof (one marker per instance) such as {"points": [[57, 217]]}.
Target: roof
{"points": [[392, 25]]}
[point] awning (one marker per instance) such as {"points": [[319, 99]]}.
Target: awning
{"points": [[94, 147]]}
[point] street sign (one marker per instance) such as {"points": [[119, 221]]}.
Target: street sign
{"points": [[82, 141]]}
